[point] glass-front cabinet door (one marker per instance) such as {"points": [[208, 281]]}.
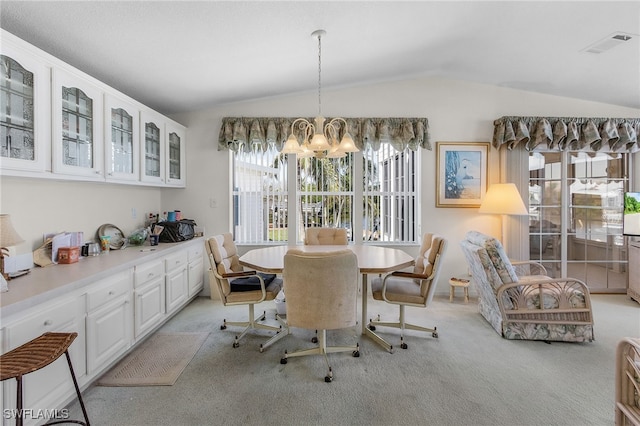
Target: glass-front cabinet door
{"points": [[121, 139], [175, 140], [77, 126], [152, 164], [25, 112]]}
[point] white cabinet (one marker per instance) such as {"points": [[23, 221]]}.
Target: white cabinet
{"points": [[176, 280], [196, 270], [77, 126], [48, 387], [175, 154], [25, 109], [58, 122], [149, 296], [152, 147], [121, 139], [109, 320]]}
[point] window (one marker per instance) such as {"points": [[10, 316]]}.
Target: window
{"points": [[325, 194], [576, 200]]}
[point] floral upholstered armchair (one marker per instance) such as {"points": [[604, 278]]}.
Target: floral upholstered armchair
{"points": [[520, 301]]}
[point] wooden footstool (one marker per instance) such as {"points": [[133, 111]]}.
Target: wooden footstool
{"points": [[459, 282]]}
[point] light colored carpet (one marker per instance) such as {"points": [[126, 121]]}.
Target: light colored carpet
{"points": [[469, 376], [159, 361]]}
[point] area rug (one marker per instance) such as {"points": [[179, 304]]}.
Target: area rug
{"points": [[159, 361]]}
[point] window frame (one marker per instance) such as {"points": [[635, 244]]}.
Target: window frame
{"points": [[291, 196]]}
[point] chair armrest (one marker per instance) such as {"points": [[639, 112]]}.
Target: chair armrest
{"points": [[239, 274], [248, 273], [562, 289], [405, 274], [535, 268], [402, 275]]}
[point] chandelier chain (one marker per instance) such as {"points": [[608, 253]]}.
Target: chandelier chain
{"points": [[319, 74]]}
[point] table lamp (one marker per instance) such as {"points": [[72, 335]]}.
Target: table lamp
{"points": [[503, 199], [8, 237]]}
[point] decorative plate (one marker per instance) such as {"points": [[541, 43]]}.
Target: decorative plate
{"points": [[117, 240]]}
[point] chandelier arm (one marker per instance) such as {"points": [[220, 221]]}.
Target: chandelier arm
{"points": [[331, 129]]}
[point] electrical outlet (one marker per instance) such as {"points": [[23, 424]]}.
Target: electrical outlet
{"points": [[213, 203], [134, 213]]}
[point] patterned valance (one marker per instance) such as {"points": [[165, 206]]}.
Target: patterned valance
{"points": [[567, 133], [245, 133]]}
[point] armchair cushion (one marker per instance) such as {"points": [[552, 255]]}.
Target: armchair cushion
{"points": [[252, 282], [496, 255]]}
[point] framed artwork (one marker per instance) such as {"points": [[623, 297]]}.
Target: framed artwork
{"points": [[461, 173]]}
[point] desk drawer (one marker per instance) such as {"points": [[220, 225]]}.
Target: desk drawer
{"points": [[58, 318], [176, 261], [109, 289], [195, 253], [148, 272]]}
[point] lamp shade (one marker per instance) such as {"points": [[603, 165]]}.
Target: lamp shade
{"points": [[503, 198], [8, 235]]}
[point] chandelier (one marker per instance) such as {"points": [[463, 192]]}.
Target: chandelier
{"points": [[320, 139]]}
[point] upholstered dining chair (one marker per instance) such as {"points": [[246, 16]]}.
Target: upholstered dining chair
{"points": [[410, 288], [325, 236], [321, 291], [237, 286]]}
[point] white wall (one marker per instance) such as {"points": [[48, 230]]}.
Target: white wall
{"points": [[457, 111], [39, 206]]}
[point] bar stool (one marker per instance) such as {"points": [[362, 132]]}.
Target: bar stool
{"points": [[37, 354]]}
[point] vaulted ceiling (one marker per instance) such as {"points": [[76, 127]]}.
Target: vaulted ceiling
{"points": [[178, 56]]}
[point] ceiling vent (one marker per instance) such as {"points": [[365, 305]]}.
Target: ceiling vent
{"points": [[607, 43]]}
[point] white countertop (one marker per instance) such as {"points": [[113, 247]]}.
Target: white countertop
{"points": [[43, 284]]}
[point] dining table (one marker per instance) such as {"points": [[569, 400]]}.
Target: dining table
{"points": [[371, 260]]}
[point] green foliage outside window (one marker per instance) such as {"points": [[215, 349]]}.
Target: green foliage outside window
{"points": [[631, 204]]}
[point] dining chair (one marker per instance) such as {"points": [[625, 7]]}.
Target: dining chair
{"points": [[410, 288], [237, 286], [326, 236], [321, 291]]}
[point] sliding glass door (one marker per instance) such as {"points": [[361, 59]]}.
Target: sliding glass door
{"points": [[575, 216]]}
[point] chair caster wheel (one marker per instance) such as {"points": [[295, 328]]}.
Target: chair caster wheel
{"points": [[403, 345], [283, 360], [314, 340], [328, 379], [372, 327], [435, 334], [236, 344], [223, 327], [356, 354], [261, 349]]}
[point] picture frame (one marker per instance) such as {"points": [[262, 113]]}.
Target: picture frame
{"points": [[461, 173]]}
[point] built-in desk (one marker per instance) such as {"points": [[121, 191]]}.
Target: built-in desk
{"points": [[112, 301]]}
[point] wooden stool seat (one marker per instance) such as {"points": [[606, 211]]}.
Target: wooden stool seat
{"points": [[37, 354], [459, 282]]}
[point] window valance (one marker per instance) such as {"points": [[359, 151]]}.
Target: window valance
{"points": [[567, 133], [243, 133]]}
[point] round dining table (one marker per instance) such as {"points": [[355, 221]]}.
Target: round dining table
{"points": [[371, 260]]}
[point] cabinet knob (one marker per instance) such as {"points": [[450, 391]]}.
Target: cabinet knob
{"points": [[111, 293], [48, 322], [150, 275]]}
